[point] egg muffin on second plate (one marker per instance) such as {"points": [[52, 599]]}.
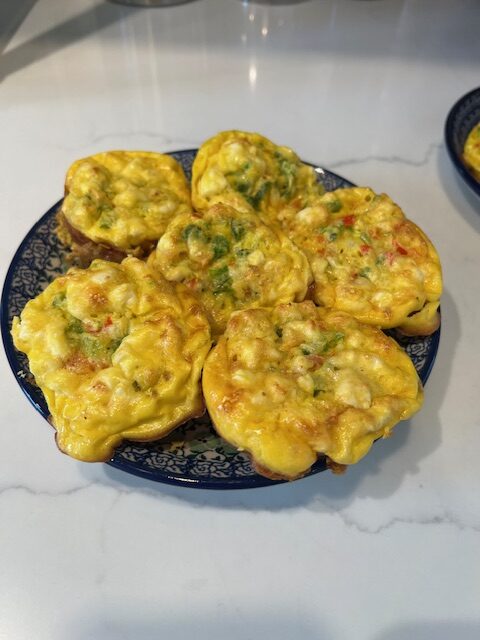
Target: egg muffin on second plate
{"points": [[297, 381], [471, 151], [251, 173], [117, 352], [369, 260], [119, 203], [231, 260]]}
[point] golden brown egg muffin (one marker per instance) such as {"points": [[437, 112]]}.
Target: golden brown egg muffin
{"points": [[294, 382], [232, 261], [369, 260], [119, 203], [471, 151], [118, 353], [249, 172]]}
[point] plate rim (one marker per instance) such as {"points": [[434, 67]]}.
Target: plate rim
{"points": [[122, 464], [8, 345]]}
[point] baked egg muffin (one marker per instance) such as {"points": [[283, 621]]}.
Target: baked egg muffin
{"points": [[117, 352], [251, 173], [471, 151], [297, 381], [369, 260], [231, 261], [119, 203]]}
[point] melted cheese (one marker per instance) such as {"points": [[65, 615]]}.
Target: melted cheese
{"points": [[117, 352], [232, 261], [290, 383], [124, 198]]}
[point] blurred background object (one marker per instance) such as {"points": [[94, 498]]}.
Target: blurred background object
{"points": [[12, 14], [151, 3], [274, 2]]}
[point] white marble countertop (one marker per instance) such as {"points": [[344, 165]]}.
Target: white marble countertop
{"points": [[389, 551]]}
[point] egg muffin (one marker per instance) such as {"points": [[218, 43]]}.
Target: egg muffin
{"points": [[231, 261], [369, 260], [471, 151], [297, 381], [251, 173], [117, 352], [119, 203]]}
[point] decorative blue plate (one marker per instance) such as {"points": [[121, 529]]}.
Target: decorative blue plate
{"points": [[463, 116], [193, 455]]}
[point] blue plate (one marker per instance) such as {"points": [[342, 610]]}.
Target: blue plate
{"points": [[463, 116], [193, 455]]}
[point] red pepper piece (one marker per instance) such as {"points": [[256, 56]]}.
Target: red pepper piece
{"points": [[401, 250], [389, 256]]}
